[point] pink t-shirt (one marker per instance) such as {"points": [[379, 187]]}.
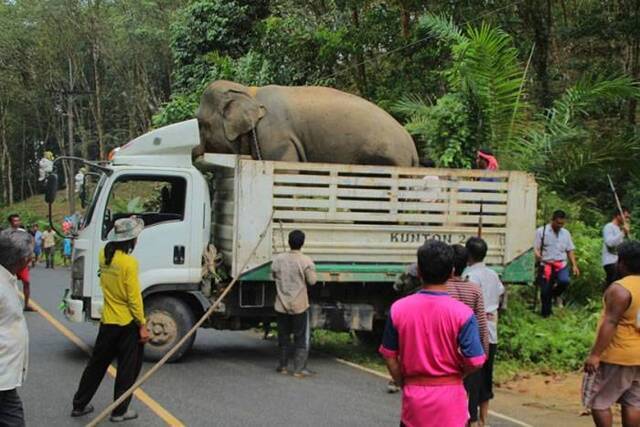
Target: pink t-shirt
{"points": [[433, 335]]}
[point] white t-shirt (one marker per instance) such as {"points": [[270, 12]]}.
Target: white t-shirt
{"points": [[556, 246], [14, 336], [612, 237], [492, 290]]}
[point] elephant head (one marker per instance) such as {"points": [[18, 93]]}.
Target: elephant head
{"points": [[227, 110]]}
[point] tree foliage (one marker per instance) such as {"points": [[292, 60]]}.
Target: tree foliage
{"points": [[552, 89]]}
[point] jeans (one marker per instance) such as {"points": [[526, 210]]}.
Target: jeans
{"points": [[114, 341], [611, 272], [11, 412], [548, 291]]}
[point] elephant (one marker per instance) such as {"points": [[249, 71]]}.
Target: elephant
{"points": [[300, 124]]}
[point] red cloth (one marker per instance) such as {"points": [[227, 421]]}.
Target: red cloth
{"points": [[550, 267], [23, 275]]}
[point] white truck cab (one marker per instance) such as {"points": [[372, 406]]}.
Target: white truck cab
{"points": [[152, 177]]}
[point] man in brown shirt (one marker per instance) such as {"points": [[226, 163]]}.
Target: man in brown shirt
{"points": [[292, 272]]}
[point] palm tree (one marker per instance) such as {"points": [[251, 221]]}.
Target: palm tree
{"points": [[487, 74]]}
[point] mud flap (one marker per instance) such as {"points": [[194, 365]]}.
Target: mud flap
{"points": [[342, 317]]}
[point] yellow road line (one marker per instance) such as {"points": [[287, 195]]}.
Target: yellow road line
{"points": [[161, 412]]}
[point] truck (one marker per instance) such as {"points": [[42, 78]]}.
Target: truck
{"points": [[221, 216]]}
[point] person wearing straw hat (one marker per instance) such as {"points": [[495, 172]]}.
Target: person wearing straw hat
{"points": [[123, 329]]}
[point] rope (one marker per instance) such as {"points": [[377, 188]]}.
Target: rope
{"points": [[184, 339], [284, 245], [256, 146]]}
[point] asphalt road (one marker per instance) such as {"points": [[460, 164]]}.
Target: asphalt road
{"points": [[227, 380]]}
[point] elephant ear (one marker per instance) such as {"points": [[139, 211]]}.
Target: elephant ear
{"points": [[241, 113]]}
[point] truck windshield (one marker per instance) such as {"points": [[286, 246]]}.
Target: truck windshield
{"points": [[97, 188]]}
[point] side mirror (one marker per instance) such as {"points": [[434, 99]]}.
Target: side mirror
{"points": [[51, 188]]}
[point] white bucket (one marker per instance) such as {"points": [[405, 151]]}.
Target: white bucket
{"points": [[74, 311]]}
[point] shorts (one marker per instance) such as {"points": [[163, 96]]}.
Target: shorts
{"points": [[611, 384], [486, 386], [37, 250]]}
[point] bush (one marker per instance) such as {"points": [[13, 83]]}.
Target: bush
{"points": [[560, 342]]}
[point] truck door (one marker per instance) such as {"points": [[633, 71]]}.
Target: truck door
{"points": [[163, 201]]}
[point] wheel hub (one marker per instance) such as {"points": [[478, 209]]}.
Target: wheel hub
{"points": [[162, 328]]}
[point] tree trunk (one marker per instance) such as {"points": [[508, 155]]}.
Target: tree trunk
{"points": [[97, 79], [6, 159], [23, 162], [537, 16], [633, 60], [361, 71], [406, 22], [71, 148]]}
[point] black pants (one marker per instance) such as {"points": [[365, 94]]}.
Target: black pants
{"points": [[11, 412], [473, 385], [113, 342], [486, 384], [554, 287], [49, 255], [296, 324], [612, 274]]}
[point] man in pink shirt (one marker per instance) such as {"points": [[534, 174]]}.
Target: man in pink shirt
{"points": [[431, 341]]}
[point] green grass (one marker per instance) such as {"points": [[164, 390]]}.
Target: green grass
{"points": [[35, 210]]}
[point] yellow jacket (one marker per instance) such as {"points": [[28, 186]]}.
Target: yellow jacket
{"points": [[121, 290]]}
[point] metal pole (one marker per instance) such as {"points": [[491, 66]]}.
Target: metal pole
{"points": [[615, 195]]}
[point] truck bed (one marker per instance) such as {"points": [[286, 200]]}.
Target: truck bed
{"points": [[366, 220]]}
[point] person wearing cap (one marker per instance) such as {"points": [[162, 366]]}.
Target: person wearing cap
{"points": [[123, 329]]}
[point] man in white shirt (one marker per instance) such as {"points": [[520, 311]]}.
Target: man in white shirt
{"points": [[16, 248], [613, 235], [553, 246], [492, 291]]}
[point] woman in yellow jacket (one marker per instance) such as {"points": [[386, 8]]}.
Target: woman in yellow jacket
{"points": [[123, 330]]}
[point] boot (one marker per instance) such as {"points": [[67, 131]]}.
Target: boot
{"points": [[283, 360], [300, 363]]}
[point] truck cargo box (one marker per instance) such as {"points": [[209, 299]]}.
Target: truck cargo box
{"points": [[364, 223]]}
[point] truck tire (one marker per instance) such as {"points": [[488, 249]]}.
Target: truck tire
{"points": [[168, 320], [369, 338], [372, 338]]}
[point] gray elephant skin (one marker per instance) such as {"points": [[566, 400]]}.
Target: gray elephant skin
{"points": [[300, 124]]}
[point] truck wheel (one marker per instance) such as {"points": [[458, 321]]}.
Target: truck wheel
{"points": [[369, 338], [168, 319]]}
